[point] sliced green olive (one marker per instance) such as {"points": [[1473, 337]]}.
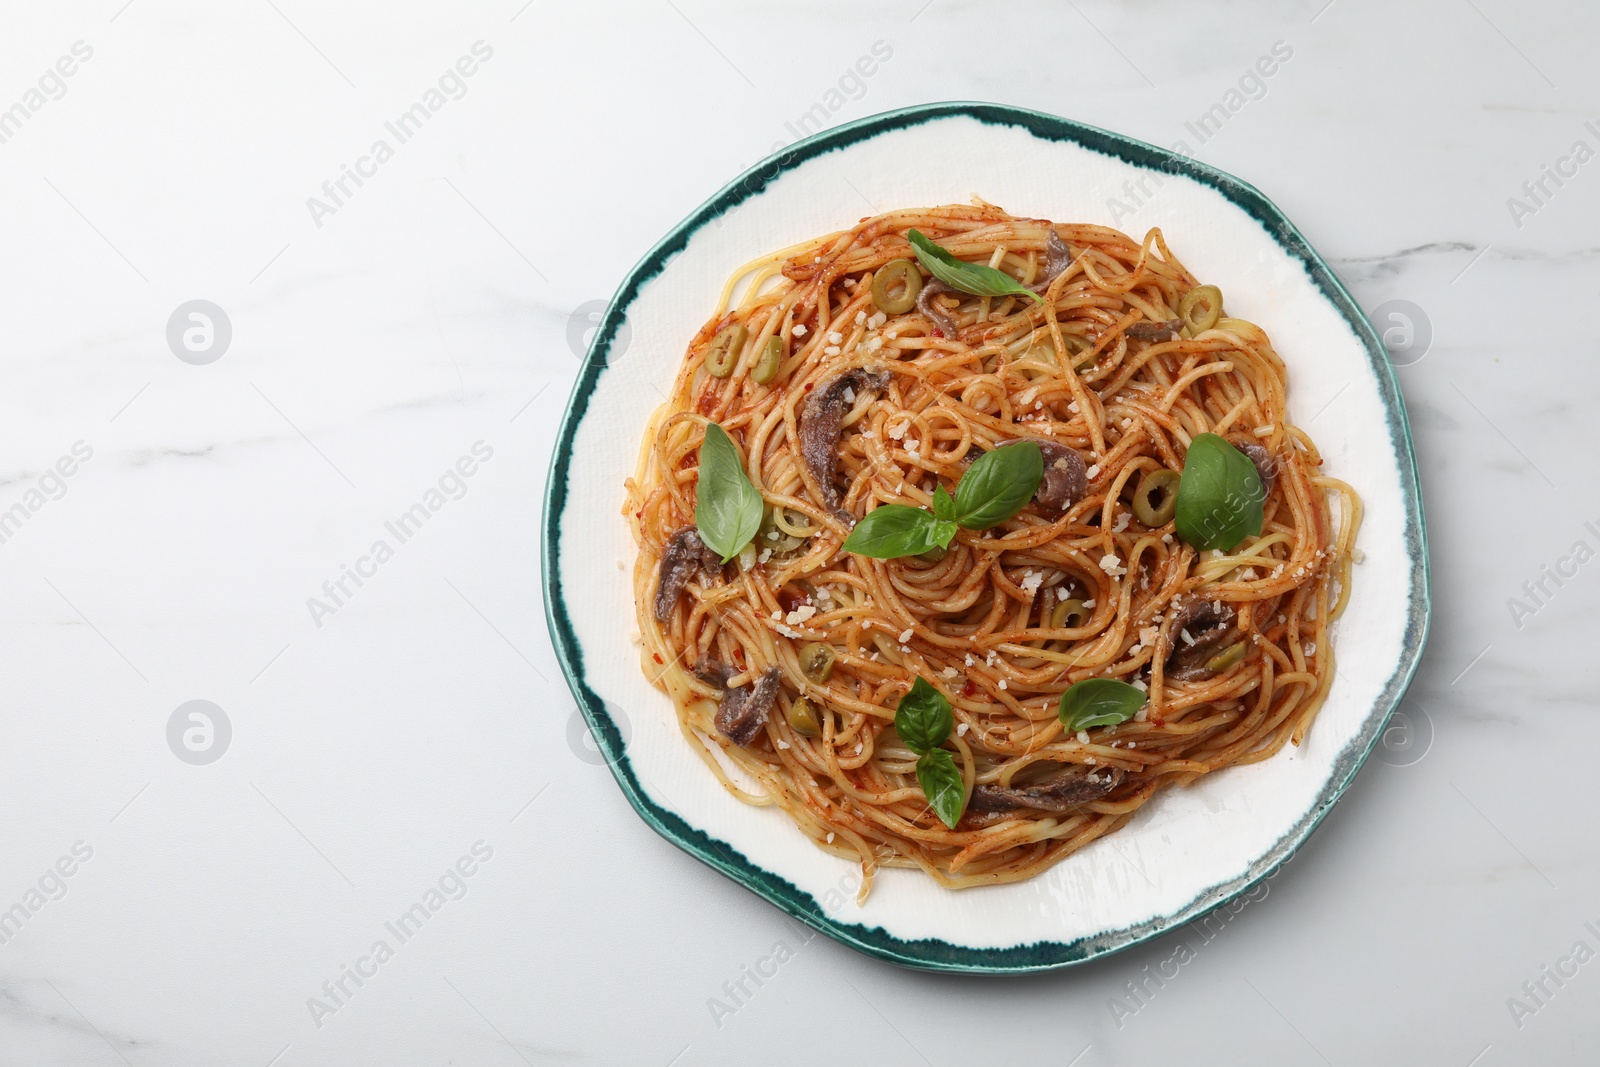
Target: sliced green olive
{"points": [[1226, 658], [816, 662], [772, 535], [768, 363], [803, 718], [1069, 615], [895, 286], [723, 355], [1201, 307], [1156, 499]]}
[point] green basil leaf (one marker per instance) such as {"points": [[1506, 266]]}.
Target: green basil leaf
{"points": [[923, 718], [727, 509], [893, 530], [973, 278], [943, 506], [941, 784], [1099, 702], [1219, 495], [998, 485]]}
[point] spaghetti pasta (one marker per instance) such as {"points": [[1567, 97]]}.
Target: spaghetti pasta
{"points": [[849, 382]]}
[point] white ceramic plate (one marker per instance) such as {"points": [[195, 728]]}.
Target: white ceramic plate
{"points": [[1188, 850]]}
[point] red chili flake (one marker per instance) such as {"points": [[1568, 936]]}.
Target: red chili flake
{"points": [[708, 400], [808, 387], [738, 654], [968, 689], [657, 657]]}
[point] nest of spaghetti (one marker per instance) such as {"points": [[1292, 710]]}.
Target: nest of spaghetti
{"points": [[848, 378]]}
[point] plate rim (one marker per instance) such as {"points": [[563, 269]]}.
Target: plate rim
{"points": [[935, 954]]}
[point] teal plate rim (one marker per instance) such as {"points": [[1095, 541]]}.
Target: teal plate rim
{"points": [[931, 953]]}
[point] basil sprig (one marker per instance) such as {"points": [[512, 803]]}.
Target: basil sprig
{"points": [[923, 719], [727, 508], [941, 783], [895, 530], [973, 278], [997, 486], [1099, 702], [1219, 495]]}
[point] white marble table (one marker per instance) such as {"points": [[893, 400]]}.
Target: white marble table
{"points": [[386, 737]]}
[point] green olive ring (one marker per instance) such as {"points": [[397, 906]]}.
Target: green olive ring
{"points": [[1201, 307], [1155, 501], [723, 355], [895, 286]]}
